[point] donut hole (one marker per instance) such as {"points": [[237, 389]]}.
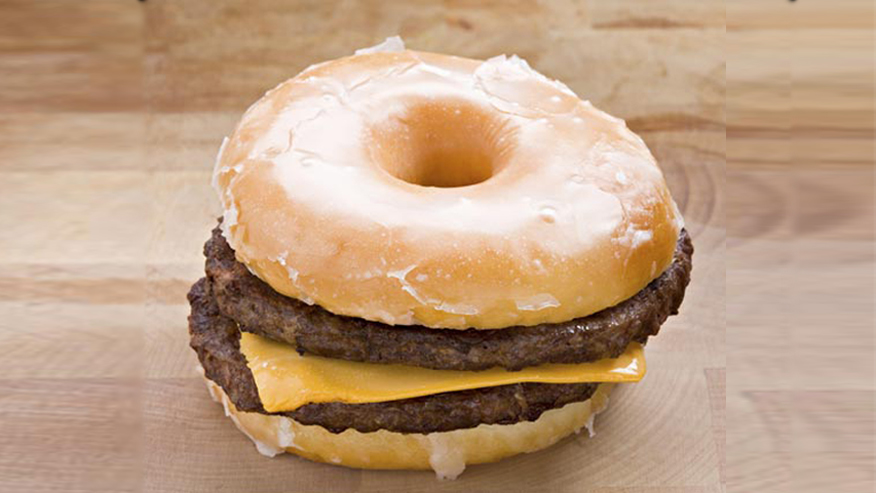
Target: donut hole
{"points": [[444, 144]]}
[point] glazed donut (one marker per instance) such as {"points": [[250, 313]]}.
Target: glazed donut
{"points": [[447, 453], [414, 188]]}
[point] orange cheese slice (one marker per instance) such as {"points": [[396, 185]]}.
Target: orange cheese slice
{"points": [[286, 380]]}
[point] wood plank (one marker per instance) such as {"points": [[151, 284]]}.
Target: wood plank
{"points": [[83, 57], [79, 435]]}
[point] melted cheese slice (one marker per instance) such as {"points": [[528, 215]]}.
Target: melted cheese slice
{"points": [[286, 380]]}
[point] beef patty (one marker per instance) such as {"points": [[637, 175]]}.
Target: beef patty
{"points": [[257, 308], [216, 339]]}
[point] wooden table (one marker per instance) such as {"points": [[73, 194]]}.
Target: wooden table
{"points": [[112, 113]]}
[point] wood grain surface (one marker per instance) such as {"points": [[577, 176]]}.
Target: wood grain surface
{"points": [[800, 263], [112, 113]]}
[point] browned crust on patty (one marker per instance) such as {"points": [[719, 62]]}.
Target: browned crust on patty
{"points": [[216, 339], [257, 308]]}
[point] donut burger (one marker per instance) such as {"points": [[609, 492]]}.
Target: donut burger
{"points": [[427, 261]]}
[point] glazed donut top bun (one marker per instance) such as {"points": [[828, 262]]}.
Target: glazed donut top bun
{"points": [[415, 188]]}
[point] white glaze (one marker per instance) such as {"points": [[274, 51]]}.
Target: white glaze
{"points": [[389, 45], [446, 460]]}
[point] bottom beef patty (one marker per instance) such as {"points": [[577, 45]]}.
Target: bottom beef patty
{"points": [[216, 339]]}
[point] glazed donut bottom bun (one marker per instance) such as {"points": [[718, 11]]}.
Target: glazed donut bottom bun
{"points": [[447, 453]]}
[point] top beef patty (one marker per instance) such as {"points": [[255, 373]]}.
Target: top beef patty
{"points": [[259, 309]]}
